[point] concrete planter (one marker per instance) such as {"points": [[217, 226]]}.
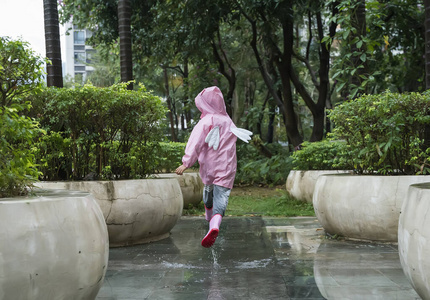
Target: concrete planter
{"points": [[135, 211], [301, 184], [53, 246], [414, 238], [191, 187], [365, 207]]}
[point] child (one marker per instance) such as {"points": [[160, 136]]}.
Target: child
{"points": [[213, 144]]}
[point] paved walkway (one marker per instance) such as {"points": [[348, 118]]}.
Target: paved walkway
{"points": [[255, 258]]}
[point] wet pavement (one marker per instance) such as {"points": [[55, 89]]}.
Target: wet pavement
{"points": [[255, 258]]}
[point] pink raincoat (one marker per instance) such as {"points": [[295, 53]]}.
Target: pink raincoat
{"points": [[216, 166]]}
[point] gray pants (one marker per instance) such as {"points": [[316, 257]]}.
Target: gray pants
{"points": [[217, 197]]}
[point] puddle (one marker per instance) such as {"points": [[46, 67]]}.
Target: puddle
{"points": [[290, 259]]}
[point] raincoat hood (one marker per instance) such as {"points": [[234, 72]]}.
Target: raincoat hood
{"points": [[211, 101]]}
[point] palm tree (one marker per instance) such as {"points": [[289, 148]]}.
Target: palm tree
{"points": [[124, 28], [52, 43]]}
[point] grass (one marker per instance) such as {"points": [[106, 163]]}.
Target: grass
{"points": [[260, 201]]}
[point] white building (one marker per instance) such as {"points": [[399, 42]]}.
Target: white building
{"points": [[77, 55]]}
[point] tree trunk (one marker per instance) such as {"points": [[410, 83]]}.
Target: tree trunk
{"points": [[169, 105], [229, 73], [270, 126], [186, 101], [281, 56], [285, 99], [427, 41], [359, 23], [124, 29], [323, 88], [286, 72], [52, 43]]}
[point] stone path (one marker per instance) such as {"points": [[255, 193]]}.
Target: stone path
{"points": [[255, 258]]}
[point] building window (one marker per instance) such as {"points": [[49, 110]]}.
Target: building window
{"points": [[79, 48], [79, 37], [80, 58]]}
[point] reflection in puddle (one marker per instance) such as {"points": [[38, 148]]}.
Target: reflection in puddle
{"points": [[295, 248], [298, 240], [340, 269]]}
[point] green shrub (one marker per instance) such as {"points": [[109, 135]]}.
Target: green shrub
{"points": [[17, 168], [108, 132], [253, 168], [383, 134], [323, 155], [54, 157], [169, 156], [151, 158], [138, 162], [20, 75]]}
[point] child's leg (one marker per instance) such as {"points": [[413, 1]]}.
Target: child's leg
{"points": [[220, 202], [208, 201], [208, 195], [220, 199]]}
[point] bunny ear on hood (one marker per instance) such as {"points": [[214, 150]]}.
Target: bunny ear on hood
{"points": [[211, 101]]}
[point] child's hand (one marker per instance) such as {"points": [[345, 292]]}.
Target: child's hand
{"points": [[180, 170]]}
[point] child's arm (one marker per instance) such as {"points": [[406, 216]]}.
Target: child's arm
{"points": [[195, 143], [180, 170]]}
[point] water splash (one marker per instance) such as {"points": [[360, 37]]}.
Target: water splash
{"points": [[215, 258], [178, 266], [255, 264]]}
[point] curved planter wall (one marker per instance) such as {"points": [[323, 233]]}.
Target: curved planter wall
{"points": [[301, 184], [364, 207], [53, 246], [414, 238], [136, 211], [191, 187]]}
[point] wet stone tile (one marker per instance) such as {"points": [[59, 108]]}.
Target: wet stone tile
{"points": [[255, 258]]}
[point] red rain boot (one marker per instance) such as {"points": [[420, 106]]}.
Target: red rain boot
{"points": [[208, 213], [211, 236]]}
